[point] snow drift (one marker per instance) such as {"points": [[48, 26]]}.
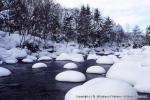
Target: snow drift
{"points": [[102, 89]]}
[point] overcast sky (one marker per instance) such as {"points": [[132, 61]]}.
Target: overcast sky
{"points": [[126, 12]]}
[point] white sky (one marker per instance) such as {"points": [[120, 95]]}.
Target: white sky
{"points": [[126, 12]]}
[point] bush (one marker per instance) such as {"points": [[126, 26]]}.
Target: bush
{"points": [[30, 46]]}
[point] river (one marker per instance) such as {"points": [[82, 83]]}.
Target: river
{"points": [[26, 83]]}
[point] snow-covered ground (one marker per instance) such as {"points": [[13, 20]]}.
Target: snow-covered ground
{"points": [[132, 66], [73, 57], [105, 60], [102, 89]]}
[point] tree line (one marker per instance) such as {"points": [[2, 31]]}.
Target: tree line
{"points": [[48, 20]]}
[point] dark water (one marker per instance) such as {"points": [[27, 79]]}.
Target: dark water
{"points": [[26, 83]]}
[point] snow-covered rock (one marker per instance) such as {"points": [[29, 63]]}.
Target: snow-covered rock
{"points": [[96, 70], [31, 57], [105, 60], [92, 56], [70, 76], [17, 52], [63, 56], [44, 58], [114, 58], [72, 57], [102, 89], [70, 66], [27, 60], [133, 73], [44, 53], [39, 65], [77, 57], [4, 72], [11, 60]]}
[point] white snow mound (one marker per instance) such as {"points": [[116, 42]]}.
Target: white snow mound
{"points": [[11, 60], [70, 76], [39, 65], [63, 56], [44, 58], [102, 89], [133, 73], [96, 70], [92, 57], [4, 72], [31, 57], [27, 60], [105, 60], [17, 52], [70, 66], [77, 57], [72, 57]]}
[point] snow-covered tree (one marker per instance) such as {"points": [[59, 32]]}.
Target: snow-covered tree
{"points": [[148, 35], [84, 25]]}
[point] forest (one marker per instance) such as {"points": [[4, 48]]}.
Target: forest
{"points": [[51, 22]]}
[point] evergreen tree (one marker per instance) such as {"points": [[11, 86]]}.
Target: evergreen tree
{"points": [[148, 35], [119, 34], [98, 23], [107, 33], [84, 25], [136, 37], [67, 28]]}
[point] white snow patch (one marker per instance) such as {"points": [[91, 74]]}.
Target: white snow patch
{"points": [[39, 65], [96, 70], [102, 87], [77, 57], [44, 53], [27, 60], [3, 34], [105, 60], [4, 72], [133, 73], [31, 57], [70, 66], [11, 60], [72, 57], [17, 53], [92, 56], [44, 58], [114, 58], [70, 76], [63, 56]]}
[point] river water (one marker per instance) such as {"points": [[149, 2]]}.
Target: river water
{"points": [[26, 83]]}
